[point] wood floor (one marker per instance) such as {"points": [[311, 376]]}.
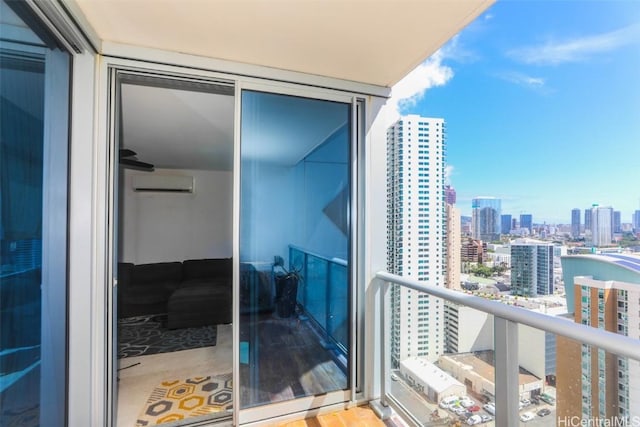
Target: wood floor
{"points": [[354, 417], [285, 360]]}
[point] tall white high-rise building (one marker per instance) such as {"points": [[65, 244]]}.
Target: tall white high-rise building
{"points": [[416, 233], [601, 225]]}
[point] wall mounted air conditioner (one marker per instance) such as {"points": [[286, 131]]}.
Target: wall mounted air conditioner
{"points": [[162, 183]]}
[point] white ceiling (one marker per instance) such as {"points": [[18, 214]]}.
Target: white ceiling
{"points": [[373, 42], [180, 129], [376, 42]]}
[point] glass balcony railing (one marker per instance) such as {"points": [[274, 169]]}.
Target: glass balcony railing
{"points": [[469, 360], [323, 295]]}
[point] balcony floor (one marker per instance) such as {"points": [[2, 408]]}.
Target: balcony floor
{"points": [[361, 416]]}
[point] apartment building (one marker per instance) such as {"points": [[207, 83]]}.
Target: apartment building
{"points": [[602, 222], [531, 268], [485, 218], [603, 291], [416, 233]]}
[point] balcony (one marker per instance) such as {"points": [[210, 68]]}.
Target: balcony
{"points": [[324, 298], [493, 386]]}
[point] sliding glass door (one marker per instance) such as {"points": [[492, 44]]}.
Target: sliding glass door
{"points": [[34, 106], [295, 281]]}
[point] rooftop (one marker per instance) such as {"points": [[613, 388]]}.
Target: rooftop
{"points": [[629, 261], [438, 380], [482, 362]]}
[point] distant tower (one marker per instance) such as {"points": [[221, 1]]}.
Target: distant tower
{"points": [[617, 222], [449, 195], [526, 221], [416, 234], [505, 224], [587, 219], [575, 223], [485, 218], [601, 225], [636, 221]]}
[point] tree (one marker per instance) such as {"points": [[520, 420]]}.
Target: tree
{"points": [[482, 271]]}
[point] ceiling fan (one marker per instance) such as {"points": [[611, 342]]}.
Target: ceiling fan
{"points": [[128, 160]]}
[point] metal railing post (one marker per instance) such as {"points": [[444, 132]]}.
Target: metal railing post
{"points": [[384, 343], [506, 372], [328, 318]]}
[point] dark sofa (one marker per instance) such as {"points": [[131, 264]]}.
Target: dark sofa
{"points": [[145, 288], [192, 293]]}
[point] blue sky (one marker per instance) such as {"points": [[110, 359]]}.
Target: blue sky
{"points": [[542, 104]]}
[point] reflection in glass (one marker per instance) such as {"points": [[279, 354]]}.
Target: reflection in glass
{"points": [[32, 339], [294, 234]]}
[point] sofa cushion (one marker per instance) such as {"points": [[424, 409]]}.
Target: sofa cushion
{"points": [[221, 268], [157, 274], [199, 305], [124, 273]]}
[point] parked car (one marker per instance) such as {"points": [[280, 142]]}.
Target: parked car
{"points": [[543, 412], [394, 377], [486, 418], [474, 419], [526, 416], [490, 408], [525, 402], [459, 410], [448, 401], [474, 408], [466, 402], [548, 399]]}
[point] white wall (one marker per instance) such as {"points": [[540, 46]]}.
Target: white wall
{"points": [[269, 210], [157, 227], [283, 205], [475, 330]]}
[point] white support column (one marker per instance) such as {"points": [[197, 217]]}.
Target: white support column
{"points": [[506, 372], [381, 407]]}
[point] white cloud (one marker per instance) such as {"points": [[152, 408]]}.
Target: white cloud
{"points": [[577, 49], [411, 89], [523, 80], [448, 171]]}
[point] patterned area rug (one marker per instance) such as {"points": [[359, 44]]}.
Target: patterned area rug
{"points": [[143, 335], [175, 400]]}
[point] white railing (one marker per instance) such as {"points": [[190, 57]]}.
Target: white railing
{"points": [[506, 320]]}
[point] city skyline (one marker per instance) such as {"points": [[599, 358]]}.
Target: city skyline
{"points": [[541, 103]]}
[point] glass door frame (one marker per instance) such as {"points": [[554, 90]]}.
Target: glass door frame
{"points": [[118, 74], [350, 395], [106, 156], [55, 145]]}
